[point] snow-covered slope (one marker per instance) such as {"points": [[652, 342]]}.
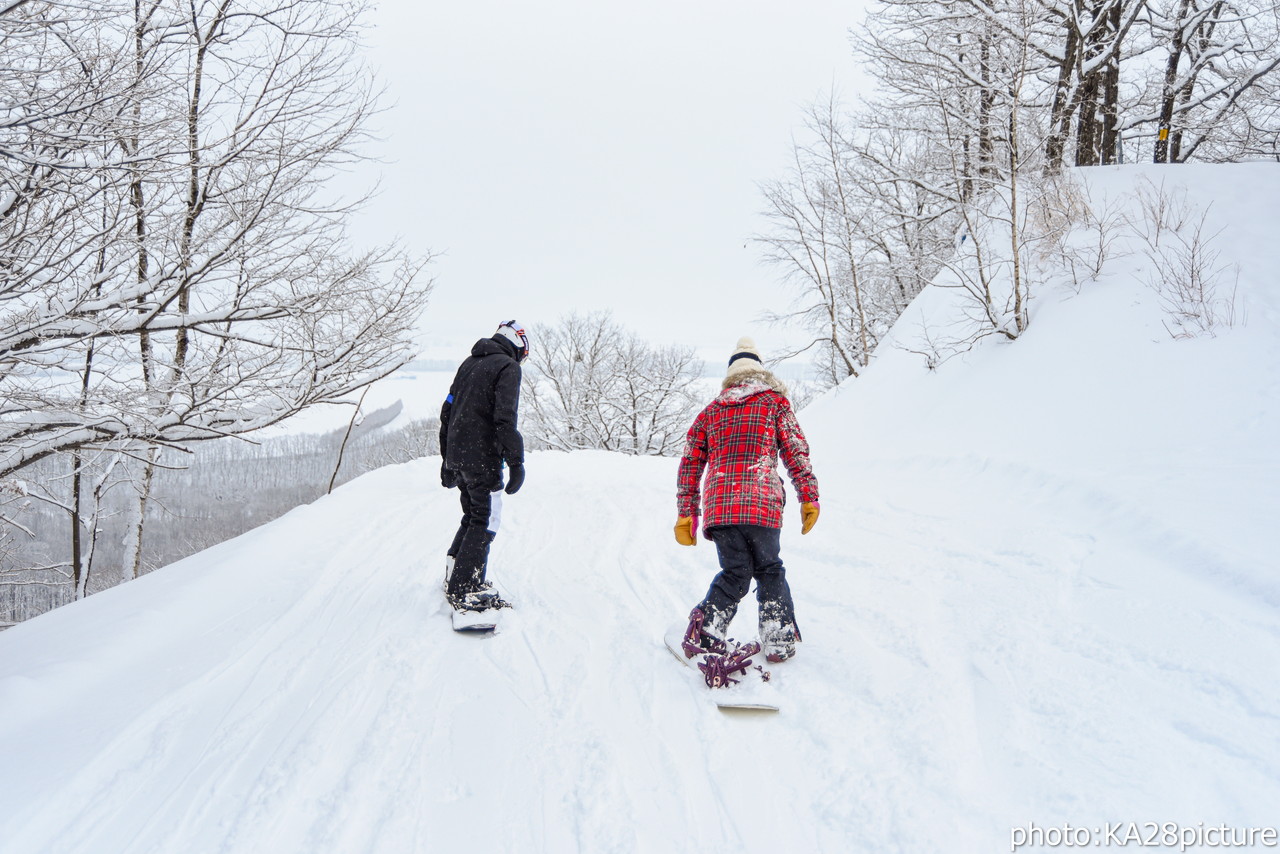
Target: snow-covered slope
{"points": [[1043, 589]]}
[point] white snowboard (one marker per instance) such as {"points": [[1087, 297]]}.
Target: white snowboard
{"points": [[477, 621], [750, 693]]}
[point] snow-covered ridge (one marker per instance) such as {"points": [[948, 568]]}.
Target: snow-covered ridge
{"points": [[1042, 589]]}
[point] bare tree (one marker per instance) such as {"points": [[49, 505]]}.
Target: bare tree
{"points": [[1219, 68], [593, 384], [819, 218], [252, 305], [1196, 288], [173, 266], [1087, 55], [958, 161], [857, 227]]}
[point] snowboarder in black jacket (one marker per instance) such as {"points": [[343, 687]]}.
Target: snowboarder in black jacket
{"points": [[478, 437]]}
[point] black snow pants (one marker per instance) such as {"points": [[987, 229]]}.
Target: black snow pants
{"points": [[747, 552], [481, 516]]}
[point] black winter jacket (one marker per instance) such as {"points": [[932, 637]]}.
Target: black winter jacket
{"points": [[478, 420]]}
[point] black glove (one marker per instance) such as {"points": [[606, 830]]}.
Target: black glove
{"points": [[515, 479], [448, 477]]}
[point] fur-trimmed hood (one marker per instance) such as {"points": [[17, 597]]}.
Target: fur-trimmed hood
{"points": [[746, 381]]}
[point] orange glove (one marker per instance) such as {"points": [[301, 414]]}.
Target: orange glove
{"points": [[809, 513], [687, 530]]}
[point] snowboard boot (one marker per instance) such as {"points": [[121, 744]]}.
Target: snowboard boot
{"points": [[483, 598], [448, 571], [697, 639], [779, 644]]}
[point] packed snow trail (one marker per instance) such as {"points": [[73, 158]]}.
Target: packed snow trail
{"points": [[299, 689], [1042, 589]]}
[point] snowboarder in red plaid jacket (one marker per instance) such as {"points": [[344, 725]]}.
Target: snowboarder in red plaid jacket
{"points": [[737, 440]]}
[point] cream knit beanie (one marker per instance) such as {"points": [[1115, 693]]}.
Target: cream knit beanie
{"points": [[745, 358]]}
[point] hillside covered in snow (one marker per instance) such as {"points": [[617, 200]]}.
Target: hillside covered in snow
{"points": [[1043, 589]]}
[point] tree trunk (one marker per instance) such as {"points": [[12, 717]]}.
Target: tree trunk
{"points": [[76, 548], [1110, 143], [342, 448], [132, 563], [1019, 290], [1064, 101], [1168, 92], [986, 106], [1087, 123], [136, 192]]}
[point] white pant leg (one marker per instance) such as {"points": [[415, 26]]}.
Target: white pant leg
{"points": [[495, 512]]}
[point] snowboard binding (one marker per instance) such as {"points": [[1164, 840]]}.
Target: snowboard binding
{"points": [[484, 598], [718, 670], [697, 641]]}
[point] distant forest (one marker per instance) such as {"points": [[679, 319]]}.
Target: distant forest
{"points": [[223, 489]]}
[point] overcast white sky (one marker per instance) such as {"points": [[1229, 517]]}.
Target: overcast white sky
{"points": [[581, 155]]}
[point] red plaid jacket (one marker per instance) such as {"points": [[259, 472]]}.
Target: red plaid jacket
{"points": [[737, 439]]}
